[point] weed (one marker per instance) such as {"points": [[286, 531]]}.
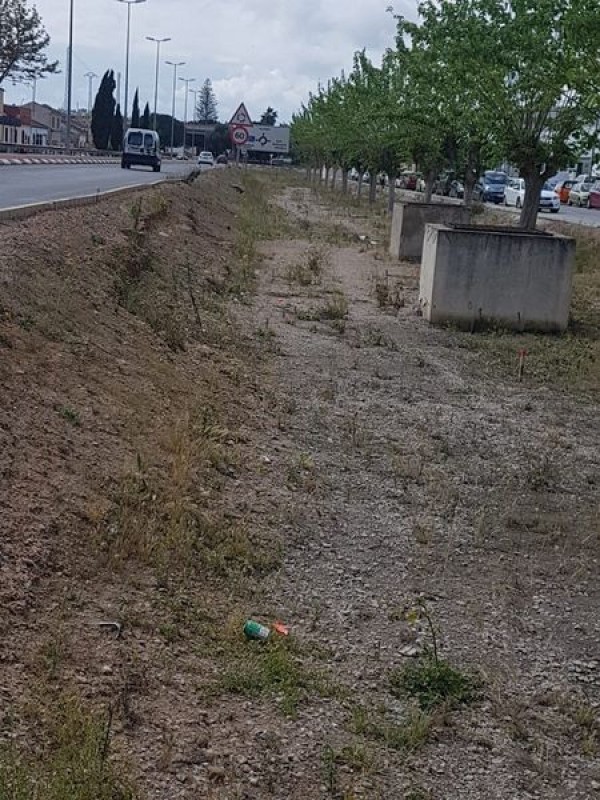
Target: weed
{"points": [[336, 307], [409, 734], [387, 295], [433, 682], [74, 764], [70, 415], [310, 271]]}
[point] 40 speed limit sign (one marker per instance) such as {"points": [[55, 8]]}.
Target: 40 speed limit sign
{"points": [[239, 135]]}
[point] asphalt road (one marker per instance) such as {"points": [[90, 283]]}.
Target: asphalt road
{"points": [[38, 183], [576, 216]]}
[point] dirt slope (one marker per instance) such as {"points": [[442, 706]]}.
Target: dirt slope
{"points": [[197, 427]]}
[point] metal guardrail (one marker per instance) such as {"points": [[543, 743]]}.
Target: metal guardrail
{"points": [[51, 150]]}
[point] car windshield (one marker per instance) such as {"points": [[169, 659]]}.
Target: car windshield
{"points": [[135, 139], [585, 187], [495, 178], [547, 187]]}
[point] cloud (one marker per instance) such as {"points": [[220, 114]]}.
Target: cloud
{"points": [[264, 52]]}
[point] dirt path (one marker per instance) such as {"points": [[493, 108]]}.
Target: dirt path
{"points": [[404, 468]]}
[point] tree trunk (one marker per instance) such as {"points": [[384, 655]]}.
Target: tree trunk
{"points": [[344, 180], [320, 174], [470, 181], [360, 184], [333, 178], [327, 176], [372, 189], [429, 183], [531, 204], [391, 193]]}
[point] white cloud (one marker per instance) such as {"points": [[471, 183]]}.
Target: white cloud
{"points": [[262, 52]]}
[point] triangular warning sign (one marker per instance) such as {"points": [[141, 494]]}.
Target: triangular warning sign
{"points": [[241, 116]]}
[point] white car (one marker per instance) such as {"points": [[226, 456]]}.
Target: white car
{"points": [[206, 159], [514, 195]]}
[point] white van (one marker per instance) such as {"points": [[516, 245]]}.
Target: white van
{"points": [[141, 146]]}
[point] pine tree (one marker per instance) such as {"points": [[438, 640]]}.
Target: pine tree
{"points": [[206, 110], [135, 113], [23, 40], [116, 133], [145, 120], [269, 117], [103, 111]]}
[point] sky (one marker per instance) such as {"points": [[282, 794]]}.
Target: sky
{"points": [[260, 52]]}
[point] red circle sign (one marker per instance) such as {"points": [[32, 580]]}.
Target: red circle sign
{"points": [[239, 135]]}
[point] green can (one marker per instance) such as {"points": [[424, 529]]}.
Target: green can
{"points": [[254, 630]]}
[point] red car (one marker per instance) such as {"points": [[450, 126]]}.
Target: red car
{"points": [[594, 198]]}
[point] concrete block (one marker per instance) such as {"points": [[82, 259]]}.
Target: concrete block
{"points": [[518, 279], [408, 225]]}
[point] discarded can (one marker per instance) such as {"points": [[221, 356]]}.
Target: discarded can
{"points": [[254, 630]]}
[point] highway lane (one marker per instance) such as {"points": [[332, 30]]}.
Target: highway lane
{"points": [[38, 183], [590, 217]]}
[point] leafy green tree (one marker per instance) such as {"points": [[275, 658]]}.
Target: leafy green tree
{"points": [[145, 120], [23, 40], [206, 109], [218, 140], [103, 111], [135, 111], [269, 117], [116, 133]]}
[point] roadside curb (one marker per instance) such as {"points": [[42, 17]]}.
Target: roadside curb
{"points": [[26, 160], [30, 210]]}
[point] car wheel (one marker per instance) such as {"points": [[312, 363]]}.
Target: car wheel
{"points": [[569, 202], [587, 205]]}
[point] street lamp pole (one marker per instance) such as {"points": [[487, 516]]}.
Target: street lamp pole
{"points": [[158, 44], [90, 76], [187, 82], [126, 107], [174, 64], [70, 75]]}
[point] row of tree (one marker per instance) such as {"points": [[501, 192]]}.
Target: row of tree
{"points": [[471, 84]]}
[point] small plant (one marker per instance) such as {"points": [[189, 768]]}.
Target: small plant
{"points": [[336, 307], [70, 415], [433, 682]]}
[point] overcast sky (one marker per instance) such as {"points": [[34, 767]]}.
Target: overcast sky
{"points": [[262, 52]]}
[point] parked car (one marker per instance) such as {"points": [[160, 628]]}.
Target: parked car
{"points": [[449, 186], [222, 159], [490, 187], [514, 195], [579, 195], [563, 190], [206, 159], [353, 174], [594, 196], [408, 180]]}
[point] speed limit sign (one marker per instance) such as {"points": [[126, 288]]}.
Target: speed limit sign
{"points": [[239, 136]]}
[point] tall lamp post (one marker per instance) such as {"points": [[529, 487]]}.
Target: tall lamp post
{"points": [[174, 64], [126, 107], [90, 76], [158, 44], [187, 82], [70, 75], [195, 93]]}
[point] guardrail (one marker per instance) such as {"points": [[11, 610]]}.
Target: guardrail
{"points": [[51, 150]]}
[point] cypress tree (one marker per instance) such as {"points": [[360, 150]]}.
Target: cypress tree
{"points": [[103, 111], [135, 113], [116, 133], [145, 120]]}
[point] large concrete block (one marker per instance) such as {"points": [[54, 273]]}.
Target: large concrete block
{"points": [[408, 225], [518, 279]]}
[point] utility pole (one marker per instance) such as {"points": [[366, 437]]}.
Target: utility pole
{"points": [[70, 74], [158, 44], [174, 64], [126, 108], [187, 82], [90, 76]]}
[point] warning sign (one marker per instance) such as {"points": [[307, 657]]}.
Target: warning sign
{"points": [[241, 117]]}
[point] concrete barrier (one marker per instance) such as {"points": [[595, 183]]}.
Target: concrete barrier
{"points": [[519, 279], [408, 225]]}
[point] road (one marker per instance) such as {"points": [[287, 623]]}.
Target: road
{"points": [[21, 185], [589, 217]]}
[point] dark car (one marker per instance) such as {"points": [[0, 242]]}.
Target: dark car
{"points": [[449, 186], [222, 159], [490, 187]]}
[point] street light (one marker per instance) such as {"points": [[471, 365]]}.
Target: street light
{"points": [[129, 4], [187, 82], [195, 92], [70, 74], [174, 64], [90, 76], [158, 44]]}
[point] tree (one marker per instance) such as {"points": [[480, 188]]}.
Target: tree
{"points": [[218, 141], [269, 117], [116, 133], [23, 40], [206, 110], [135, 111], [103, 111], [145, 120]]}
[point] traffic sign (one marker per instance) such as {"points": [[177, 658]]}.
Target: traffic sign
{"points": [[239, 135], [241, 117]]}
